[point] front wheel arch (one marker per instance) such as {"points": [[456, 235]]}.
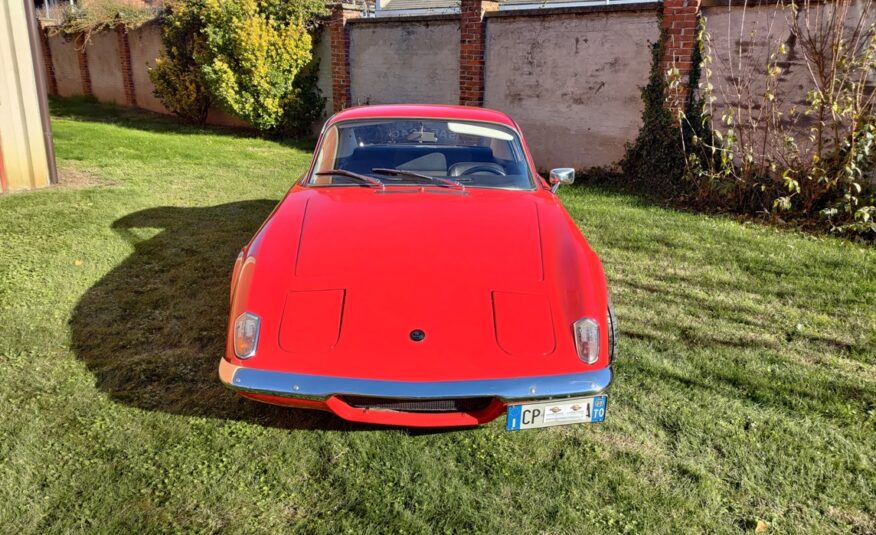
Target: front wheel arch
{"points": [[612, 332]]}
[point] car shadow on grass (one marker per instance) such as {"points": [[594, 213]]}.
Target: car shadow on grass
{"points": [[153, 329]]}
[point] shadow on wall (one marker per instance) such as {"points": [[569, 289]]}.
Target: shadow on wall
{"points": [[153, 329]]}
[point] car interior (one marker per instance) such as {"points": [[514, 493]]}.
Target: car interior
{"points": [[472, 161]]}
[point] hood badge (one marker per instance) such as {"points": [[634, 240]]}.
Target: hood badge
{"points": [[418, 335]]}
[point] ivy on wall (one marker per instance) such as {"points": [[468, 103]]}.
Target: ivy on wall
{"points": [[656, 159]]}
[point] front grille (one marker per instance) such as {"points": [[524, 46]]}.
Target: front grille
{"points": [[418, 405]]}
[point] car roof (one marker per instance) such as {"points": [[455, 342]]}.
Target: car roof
{"points": [[424, 111]]}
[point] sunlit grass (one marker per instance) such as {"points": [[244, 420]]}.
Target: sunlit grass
{"points": [[745, 392]]}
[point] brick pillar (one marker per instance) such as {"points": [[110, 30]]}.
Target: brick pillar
{"points": [[47, 60], [472, 37], [125, 62], [680, 24], [340, 45], [82, 54]]}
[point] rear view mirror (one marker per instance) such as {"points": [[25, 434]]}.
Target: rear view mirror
{"points": [[561, 175]]}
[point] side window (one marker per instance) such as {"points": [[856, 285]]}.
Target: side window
{"points": [[326, 159]]}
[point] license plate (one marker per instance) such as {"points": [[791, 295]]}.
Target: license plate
{"points": [[558, 412]]}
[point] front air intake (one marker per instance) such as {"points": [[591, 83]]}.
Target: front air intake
{"points": [[418, 405]]}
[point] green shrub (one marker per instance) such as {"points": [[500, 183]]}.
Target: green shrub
{"points": [[253, 51], [253, 58], [177, 78], [306, 104]]}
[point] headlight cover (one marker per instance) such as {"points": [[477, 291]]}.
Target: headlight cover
{"points": [[246, 335], [586, 333]]}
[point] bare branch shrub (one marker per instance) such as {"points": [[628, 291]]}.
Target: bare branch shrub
{"points": [[83, 21], [789, 100]]}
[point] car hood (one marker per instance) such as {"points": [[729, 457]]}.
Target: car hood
{"points": [[410, 239], [409, 284]]}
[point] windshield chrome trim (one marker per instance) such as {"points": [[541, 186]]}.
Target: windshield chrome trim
{"points": [[319, 387]]}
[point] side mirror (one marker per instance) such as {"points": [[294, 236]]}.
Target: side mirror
{"points": [[561, 175]]}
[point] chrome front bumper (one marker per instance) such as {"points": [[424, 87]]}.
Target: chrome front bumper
{"points": [[318, 387]]}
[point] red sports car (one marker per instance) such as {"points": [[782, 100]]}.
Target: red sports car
{"points": [[421, 273]]}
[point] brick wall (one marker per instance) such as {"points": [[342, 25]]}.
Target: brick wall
{"points": [[144, 46], [680, 19], [570, 75], [52, 82], [65, 65], [472, 35], [114, 67], [82, 57], [105, 70], [340, 44], [125, 65]]}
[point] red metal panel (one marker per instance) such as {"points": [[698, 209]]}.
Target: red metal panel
{"points": [[311, 321]]}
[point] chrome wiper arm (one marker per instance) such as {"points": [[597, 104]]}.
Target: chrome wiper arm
{"points": [[365, 179], [443, 182]]}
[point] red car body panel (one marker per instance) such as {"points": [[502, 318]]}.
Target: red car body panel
{"points": [[340, 277]]}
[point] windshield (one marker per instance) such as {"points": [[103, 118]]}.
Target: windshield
{"points": [[410, 151]]}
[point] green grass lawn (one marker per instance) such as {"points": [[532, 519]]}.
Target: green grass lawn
{"points": [[745, 388]]}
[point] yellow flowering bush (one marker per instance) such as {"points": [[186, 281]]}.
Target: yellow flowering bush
{"points": [[253, 58]]}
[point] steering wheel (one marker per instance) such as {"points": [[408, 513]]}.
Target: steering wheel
{"points": [[484, 169]]}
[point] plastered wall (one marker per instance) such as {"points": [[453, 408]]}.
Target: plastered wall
{"points": [[570, 77], [572, 82], [740, 40], [146, 45], [393, 62], [66, 64], [103, 65]]}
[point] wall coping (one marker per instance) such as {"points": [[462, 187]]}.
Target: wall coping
{"points": [[552, 11], [435, 17], [742, 3], [532, 12]]}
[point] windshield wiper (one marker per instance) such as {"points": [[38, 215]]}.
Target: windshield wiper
{"points": [[442, 182], [364, 179]]}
